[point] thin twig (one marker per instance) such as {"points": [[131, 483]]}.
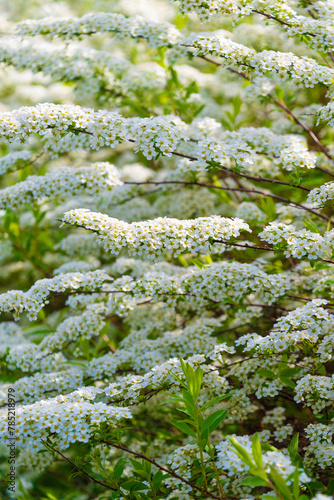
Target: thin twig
{"points": [[96, 481], [283, 106], [161, 467], [255, 191]]}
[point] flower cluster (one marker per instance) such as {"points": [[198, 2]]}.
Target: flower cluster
{"points": [[326, 113], [306, 72], [85, 326], [304, 325], [317, 31], [234, 279], [181, 461], [319, 196], [74, 244], [142, 353], [71, 418], [321, 446], [10, 335], [28, 389], [58, 123], [157, 34], [62, 183], [244, 146], [104, 128], [299, 244], [91, 70], [77, 266], [229, 461], [33, 300], [316, 391], [150, 239], [155, 134], [29, 357], [15, 159]]}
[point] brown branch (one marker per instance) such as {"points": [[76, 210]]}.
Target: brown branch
{"points": [[96, 481], [255, 191], [283, 106], [246, 176], [266, 179], [274, 18], [307, 129], [65, 478], [161, 467], [284, 23], [187, 294], [254, 247]]}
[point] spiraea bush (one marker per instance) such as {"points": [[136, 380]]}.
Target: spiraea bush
{"points": [[167, 250]]}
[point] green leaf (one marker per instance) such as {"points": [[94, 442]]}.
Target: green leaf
{"points": [[256, 450], [189, 410], [172, 400], [174, 79], [119, 468], [330, 487], [182, 426], [136, 465], [185, 367], [295, 484], [208, 259], [133, 485], [268, 447], [290, 372], [187, 397], [181, 382], [241, 452], [215, 400], [258, 473], [280, 93], [199, 109], [157, 479], [311, 226], [288, 382], [267, 205], [182, 260], [143, 496], [230, 116], [147, 466], [191, 89], [321, 369], [213, 420], [198, 381], [280, 484], [194, 378], [237, 103], [226, 124], [266, 373], [293, 448], [204, 441], [315, 487], [254, 481], [143, 474], [198, 263]]}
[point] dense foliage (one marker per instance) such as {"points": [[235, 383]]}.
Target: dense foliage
{"points": [[167, 250]]}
